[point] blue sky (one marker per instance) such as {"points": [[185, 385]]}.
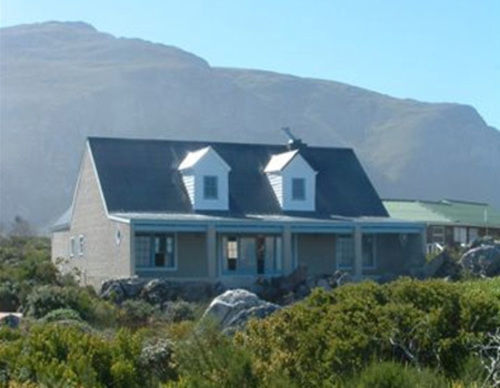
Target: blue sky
{"points": [[430, 50]]}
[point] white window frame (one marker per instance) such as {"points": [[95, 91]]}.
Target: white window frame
{"points": [[81, 245], [72, 246]]}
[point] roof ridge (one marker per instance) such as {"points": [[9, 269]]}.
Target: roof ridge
{"points": [[207, 142]]}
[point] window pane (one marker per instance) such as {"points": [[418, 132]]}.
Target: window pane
{"points": [[269, 255], [142, 251], [248, 259], [368, 250], [231, 251], [298, 189], [345, 251], [210, 189]]}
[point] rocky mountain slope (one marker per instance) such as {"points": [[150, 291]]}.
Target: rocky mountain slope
{"points": [[61, 82]]}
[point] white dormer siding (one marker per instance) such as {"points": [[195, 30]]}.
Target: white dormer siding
{"points": [[289, 169], [206, 179]]}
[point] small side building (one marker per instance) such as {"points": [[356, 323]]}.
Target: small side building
{"points": [[448, 222]]}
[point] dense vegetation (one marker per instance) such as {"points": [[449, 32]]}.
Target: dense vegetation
{"points": [[406, 333]]}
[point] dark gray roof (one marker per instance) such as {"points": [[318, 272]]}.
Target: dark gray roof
{"points": [[142, 176]]}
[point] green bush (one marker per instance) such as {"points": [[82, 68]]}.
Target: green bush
{"points": [[62, 315], [425, 323], [395, 375], [179, 311], [51, 355], [89, 306], [9, 301], [135, 313]]}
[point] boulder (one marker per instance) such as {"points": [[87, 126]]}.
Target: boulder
{"points": [[483, 260], [112, 290], [234, 308]]}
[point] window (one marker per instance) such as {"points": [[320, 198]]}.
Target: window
{"points": [[437, 234], [345, 251], [142, 251], [460, 234], [252, 254], [72, 247], [210, 187], [473, 234], [298, 189], [232, 253], [81, 243], [157, 250], [369, 250]]}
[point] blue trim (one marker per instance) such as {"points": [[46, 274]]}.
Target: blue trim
{"points": [[158, 227], [241, 228], [340, 229], [391, 229]]}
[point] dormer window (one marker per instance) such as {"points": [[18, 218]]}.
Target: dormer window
{"points": [[210, 187], [293, 181], [206, 179], [298, 189]]}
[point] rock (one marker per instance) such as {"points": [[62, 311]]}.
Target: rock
{"points": [[483, 260], [234, 308], [112, 290], [132, 287], [342, 278], [323, 283]]}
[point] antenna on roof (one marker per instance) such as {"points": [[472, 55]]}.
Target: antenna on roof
{"points": [[293, 142]]}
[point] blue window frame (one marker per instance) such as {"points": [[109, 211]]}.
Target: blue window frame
{"points": [[155, 251], [210, 187]]}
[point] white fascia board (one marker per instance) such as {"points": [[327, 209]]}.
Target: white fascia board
{"points": [[279, 161]]}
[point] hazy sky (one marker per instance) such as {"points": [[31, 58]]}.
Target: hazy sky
{"points": [[431, 50]]}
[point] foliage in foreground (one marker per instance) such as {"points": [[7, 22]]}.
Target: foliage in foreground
{"points": [[427, 333], [431, 324]]}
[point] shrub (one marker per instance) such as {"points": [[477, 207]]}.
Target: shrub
{"points": [[395, 375], [157, 357], [134, 313], [9, 300], [90, 307], [62, 315], [424, 323], [51, 355], [179, 311]]}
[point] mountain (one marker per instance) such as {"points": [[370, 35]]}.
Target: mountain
{"points": [[61, 82]]}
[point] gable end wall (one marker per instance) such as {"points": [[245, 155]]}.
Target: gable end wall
{"points": [[102, 257]]}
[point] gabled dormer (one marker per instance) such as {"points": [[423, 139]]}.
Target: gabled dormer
{"points": [[293, 181], [206, 179]]}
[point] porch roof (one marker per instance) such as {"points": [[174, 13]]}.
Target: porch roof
{"points": [[334, 223]]}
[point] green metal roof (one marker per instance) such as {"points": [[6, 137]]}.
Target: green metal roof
{"points": [[444, 212]]}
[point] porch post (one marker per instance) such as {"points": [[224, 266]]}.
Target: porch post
{"points": [[287, 250], [131, 247], [358, 253], [211, 252], [424, 240]]}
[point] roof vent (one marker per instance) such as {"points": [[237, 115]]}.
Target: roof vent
{"points": [[294, 143]]}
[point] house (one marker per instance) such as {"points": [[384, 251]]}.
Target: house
{"points": [[227, 212], [448, 222]]}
